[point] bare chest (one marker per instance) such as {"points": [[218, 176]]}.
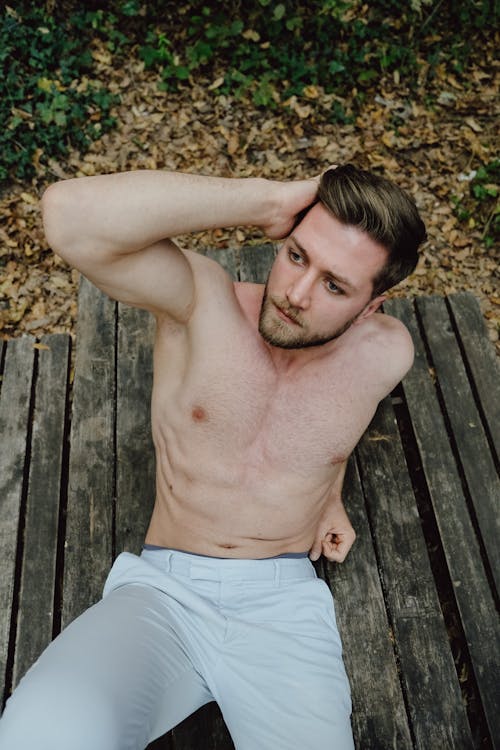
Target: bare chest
{"points": [[231, 404]]}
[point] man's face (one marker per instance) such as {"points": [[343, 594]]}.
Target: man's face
{"points": [[321, 282]]}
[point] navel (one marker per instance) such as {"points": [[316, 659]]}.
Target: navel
{"points": [[199, 414]]}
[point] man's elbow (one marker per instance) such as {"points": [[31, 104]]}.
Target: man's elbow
{"points": [[58, 206], [52, 205]]}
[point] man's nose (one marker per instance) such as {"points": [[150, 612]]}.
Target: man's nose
{"points": [[298, 293]]}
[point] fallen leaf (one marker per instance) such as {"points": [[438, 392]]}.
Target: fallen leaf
{"points": [[29, 198], [473, 125], [311, 92]]}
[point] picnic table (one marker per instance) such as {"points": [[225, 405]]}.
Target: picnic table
{"points": [[416, 598]]}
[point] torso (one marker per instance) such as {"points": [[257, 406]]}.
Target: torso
{"points": [[247, 454]]}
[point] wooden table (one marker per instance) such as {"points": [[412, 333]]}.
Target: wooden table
{"points": [[416, 599]]}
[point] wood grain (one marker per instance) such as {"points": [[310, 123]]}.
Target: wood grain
{"points": [[89, 526], [135, 463], [39, 575], [432, 690], [15, 399], [457, 533], [379, 716]]}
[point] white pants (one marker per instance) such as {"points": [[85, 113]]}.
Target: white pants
{"points": [[175, 631]]}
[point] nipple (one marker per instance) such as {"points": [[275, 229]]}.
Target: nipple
{"points": [[199, 414]]}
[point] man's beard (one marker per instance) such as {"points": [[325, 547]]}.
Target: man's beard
{"points": [[288, 336]]}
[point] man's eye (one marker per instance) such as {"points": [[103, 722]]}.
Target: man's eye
{"points": [[294, 257], [332, 287]]}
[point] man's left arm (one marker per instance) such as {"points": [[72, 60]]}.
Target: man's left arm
{"points": [[335, 534]]}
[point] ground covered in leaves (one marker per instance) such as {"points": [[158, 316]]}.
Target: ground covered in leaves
{"points": [[432, 143]]}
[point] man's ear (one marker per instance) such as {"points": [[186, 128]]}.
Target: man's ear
{"points": [[371, 307]]}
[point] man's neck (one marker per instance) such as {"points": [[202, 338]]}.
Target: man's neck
{"points": [[290, 361], [286, 361]]}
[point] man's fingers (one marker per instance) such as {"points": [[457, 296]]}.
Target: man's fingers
{"points": [[336, 548], [315, 552], [334, 552]]}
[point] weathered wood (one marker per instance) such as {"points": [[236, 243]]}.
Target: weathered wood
{"points": [[3, 351], [468, 576], [162, 743], [480, 359], [470, 439], [255, 262], [204, 730], [135, 465], [379, 717], [228, 258], [437, 715], [88, 547], [15, 401], [38, 579]]}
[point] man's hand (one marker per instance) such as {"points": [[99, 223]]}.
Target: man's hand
{"points": [[334, 536], [292, 198]]}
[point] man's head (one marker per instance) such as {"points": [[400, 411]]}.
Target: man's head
{"points": [[360, 238], [381, 209]]}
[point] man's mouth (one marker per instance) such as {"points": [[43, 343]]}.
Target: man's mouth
{"points": [[288, 318]]}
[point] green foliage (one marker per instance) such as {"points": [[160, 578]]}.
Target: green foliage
{"points": [[48, 101], [275, 49], [483, 185], [269, 50], [481, 206]]}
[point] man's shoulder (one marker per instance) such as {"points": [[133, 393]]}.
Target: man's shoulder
{"points": [[389, 331], [386, 344]]}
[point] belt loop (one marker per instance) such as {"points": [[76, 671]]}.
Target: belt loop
{"points": [[276, 572], [168, 561]]}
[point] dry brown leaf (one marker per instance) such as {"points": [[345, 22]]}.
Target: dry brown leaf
{"points": [[473, 125]]}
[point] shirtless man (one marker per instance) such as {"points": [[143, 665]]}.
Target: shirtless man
{"points": [[260, 394]]}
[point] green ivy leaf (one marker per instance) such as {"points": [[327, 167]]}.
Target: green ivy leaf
{"points": [[279, 12], [181, 72], [60, 118]]}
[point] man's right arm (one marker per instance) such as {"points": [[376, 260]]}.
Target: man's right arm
{"points": [[116, 229]]}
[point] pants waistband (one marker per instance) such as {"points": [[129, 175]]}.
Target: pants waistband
{"points": [[292, 555], [225, 569]]}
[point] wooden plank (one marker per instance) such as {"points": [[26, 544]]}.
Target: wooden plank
{"points": [[135, 479], [471, 442], [437, 715], [162, 743], [36, 598], [480, 359], [468, 577], [15, 402], [88, 548], [229, 259], [379, 717], [256, 262], [3, 351], [204, 730]]}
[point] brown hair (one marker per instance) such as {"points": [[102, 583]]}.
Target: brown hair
{"points": [[382, 210]]}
